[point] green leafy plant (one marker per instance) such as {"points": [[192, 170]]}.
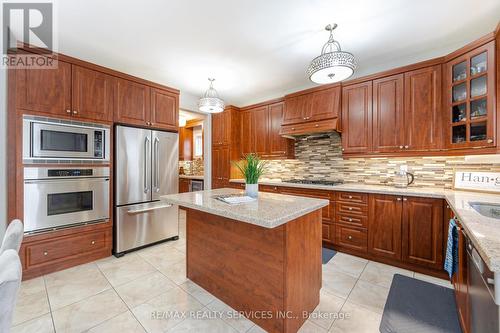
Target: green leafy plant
{"points": [[251, 167]]}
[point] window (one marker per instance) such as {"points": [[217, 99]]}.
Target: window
{"points": [[198, 141]]}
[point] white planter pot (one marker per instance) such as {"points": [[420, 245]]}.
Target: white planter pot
{"points": [[252, 190]]}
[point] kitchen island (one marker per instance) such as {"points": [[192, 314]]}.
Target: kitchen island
{"points": [[262, 258]]}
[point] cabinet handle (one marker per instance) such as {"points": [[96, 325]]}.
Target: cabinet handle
{"points": [[490, 141], [400, 147], [343, 149], [293, 128], [404, 199], [275, 188], [151, 124], [349, 237], [350, 220], [399, 199], [317, 125], [45, 253], [350, 197], [406, 147], [68, 111], [93, 242], [350, 208], [75, 112], [448, 206]]}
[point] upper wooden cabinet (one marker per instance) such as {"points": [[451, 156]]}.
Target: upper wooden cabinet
{"points": [[46, 91], [470, 99], [422, 113], [357, 118], [164, 109], [133, 103], [93, 94], [221, 128], [388, 120], [260, 132], [312, 111]]}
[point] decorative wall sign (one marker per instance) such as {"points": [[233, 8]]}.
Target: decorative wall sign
{"points": [[477, 181]]}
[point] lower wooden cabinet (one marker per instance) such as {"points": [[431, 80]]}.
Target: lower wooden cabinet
{"points": [[351, 238], [327, 232], [423, 232], [461, 284], [52, 251], [221, 166], [183, 185], [384, 229]]}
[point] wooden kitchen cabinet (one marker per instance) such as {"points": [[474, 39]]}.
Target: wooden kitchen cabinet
{"points": [[164, 109], [133, 103], [46, 91], [357, 118], [278, 145], [185, 143], [183, 185], [260, 130], [221, 166], [469, 112], [388, 121], [384, 226], [247, 138], [461, 283], [422, 111], [423, 232], [93, 94], [221, 128], [296, 109]]}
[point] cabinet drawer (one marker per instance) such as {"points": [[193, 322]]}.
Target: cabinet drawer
{"points": [[355, 220], [67, 246], [352, 208], [268, 188], [351, 238], [361, 198], [310, 127], [327, 232]]}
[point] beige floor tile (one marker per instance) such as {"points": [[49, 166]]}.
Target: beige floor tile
{"points": [[88, 313], [337, 283], [197, 292], [348, 264], [432, 279], [123, 323], [74, 284], [327, 310], [381, 274], [41, 324], [309, 327], [144, 288], [357, 320], [166, 310], [230, 316], [179, 245], [162, 256], [369, 295], [125, 269], [205, 325], [33, 286], [176, 272], [30, 306]]}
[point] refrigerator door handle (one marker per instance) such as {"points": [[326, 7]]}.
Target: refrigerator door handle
{"points": [[156, 146], [146, 157], [145, 210]]}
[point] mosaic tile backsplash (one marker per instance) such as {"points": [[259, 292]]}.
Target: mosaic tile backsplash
{"points": [[321, 158], [193, 168]]}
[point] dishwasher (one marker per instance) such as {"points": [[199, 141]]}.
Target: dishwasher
{"points": [[484, 294]]}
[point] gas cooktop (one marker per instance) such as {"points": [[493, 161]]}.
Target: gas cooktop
{"points": [[315, 182]]}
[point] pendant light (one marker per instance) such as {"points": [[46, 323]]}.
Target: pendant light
{"points": [[210, 102], [333, 65]]}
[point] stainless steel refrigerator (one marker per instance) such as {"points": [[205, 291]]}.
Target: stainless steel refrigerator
{"points": [[146, 167]]}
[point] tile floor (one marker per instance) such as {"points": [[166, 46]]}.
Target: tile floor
{"points": [[124, 295]]}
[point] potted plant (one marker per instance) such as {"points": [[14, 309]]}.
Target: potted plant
{"points": [[252, 167]]}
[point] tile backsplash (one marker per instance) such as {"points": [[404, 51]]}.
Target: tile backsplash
{"points": [[321, 158], [194, 167]]}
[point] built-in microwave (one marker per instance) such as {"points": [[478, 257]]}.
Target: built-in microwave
{"points": [[49, 139]]}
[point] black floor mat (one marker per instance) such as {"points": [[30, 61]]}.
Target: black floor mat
{"points": [[327, 254], [417, 306]]}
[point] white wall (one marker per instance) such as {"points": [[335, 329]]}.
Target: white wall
{"points": [[3, 151]]}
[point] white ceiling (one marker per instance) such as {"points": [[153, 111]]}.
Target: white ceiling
{"points": [[260, 49]]}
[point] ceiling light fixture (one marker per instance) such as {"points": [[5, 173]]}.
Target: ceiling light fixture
{"points": [[333, 65], [210, 102]]}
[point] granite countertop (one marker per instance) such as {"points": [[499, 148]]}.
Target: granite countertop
{"points": [[484, 232], [270, 210], [198, 177]]}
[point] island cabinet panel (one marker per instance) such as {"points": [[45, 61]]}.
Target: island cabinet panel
{"points": [[46, 91], [384, 226], [252, 268], [423, 232], [133, 103], [388, 121], [423, 109], [357, 118], [93, 94], [164, 110]]}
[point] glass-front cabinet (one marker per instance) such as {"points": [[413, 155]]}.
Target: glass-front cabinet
{"points": [[470, 96]]}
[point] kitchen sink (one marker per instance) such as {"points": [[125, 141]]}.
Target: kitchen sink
{"points": [[486, 209]]}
